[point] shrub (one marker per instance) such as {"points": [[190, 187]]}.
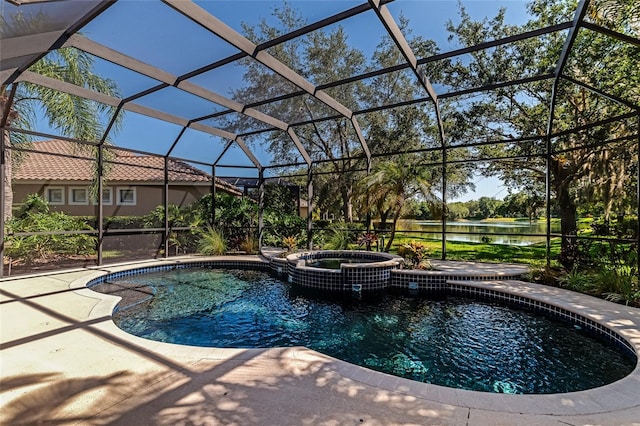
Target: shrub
{"points": [[234, 215], [601, 228], [618, 284], [124, 222], [279, 226], [544, 275], [415, 255], [290, 243], [367, 240], [249, 244], [626, 227], [576, 280], [342, 235], [212, 242], [32, 204], [339, 239], [34, 248]]}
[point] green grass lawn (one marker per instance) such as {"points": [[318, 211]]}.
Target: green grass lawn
{"points": [[534, 255]]}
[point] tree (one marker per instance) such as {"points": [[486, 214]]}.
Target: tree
{"points": [[325, 56], [75, 117], [522, 204], [488, 206], [397, 181], [282, 198], [522, 110], [457, 210], [320, 57], [405, 129]]}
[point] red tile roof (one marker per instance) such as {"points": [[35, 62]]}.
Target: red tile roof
{"points": [[125, 166]]}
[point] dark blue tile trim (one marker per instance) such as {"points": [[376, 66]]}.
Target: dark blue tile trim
{"points": [[256, 265]]}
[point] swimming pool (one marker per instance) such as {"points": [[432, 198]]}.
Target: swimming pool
{"points": [[452, 341]]}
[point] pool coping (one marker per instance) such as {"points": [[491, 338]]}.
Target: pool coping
{"points": [[619, 396]]}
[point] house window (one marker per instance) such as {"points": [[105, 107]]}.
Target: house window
{"points": [[106, 197], [78, 196], [126, 197], [54, 195]]}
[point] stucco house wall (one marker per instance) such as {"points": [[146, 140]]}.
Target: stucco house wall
{"points": [[147, 197], [134, 183]]}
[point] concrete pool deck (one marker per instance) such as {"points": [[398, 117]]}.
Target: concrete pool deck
{"points": [[63, 361]]}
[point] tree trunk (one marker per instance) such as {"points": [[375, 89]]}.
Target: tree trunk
{"points": [[6, 181], [347, 204], [568, 227], [384, 215], [394, 223]]}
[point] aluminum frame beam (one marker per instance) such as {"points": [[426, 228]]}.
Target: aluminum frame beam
{"points": [[169, 79], [28, 45], [200, 16], [610, 33], [72, 89], [581, 11], [401, 42], [602, 93], [37, 42], [434, 58]]}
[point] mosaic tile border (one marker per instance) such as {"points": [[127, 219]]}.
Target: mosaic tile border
{"points": [[356, 277], [359, 254], [257, 265], [437, 280]]}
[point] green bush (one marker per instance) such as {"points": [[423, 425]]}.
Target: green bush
{"points": [[341, 235], [415, 255], [34, 248], [278, 226], [618, 284], [577, 281], [124, 222], [32, 204], [544, 275], [236, 217], [212, 242], [339, 239], [189, 216]]}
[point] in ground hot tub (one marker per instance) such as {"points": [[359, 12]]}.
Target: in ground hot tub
{"points": [[342, 270]]}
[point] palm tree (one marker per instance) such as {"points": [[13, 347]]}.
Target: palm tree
{"points": [[395, 182], [75, 117]]}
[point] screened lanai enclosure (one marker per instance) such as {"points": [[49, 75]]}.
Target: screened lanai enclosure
{"points": [[136, 129]]}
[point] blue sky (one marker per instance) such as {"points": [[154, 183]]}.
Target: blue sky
{"points": [[154, 33]]}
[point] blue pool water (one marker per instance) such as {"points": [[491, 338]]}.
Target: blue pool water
{"points": [[454, 342]]}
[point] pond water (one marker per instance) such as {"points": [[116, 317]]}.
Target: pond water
{"points": [[451, 341], [514, 230]]}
